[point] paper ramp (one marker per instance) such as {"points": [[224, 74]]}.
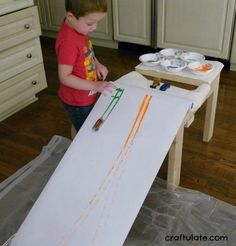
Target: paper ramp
{"points": [[96, 192]]}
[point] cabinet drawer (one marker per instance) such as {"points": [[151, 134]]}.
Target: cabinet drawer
{"points": [[8, 6], [19, 58], [18, 27], [22, 86]]}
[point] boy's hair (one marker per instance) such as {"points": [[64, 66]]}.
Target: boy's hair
{"points": [[83, 7]]}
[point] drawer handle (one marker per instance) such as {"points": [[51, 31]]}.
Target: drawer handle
{"points": [[29, 55], [34, 82], [27, 26]]}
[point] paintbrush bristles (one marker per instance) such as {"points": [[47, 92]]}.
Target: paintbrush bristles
{"points": [[98, 124]]}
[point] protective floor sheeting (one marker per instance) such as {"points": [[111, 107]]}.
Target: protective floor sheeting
{"points": [[19, 192], [168, 216], [182, 217]]}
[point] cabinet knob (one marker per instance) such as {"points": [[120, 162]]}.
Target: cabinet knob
{"points": [[29, 55], [27, 26], [34, 82]]}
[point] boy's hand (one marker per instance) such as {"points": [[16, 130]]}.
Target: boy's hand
{"points": [[101, 70], [104, 87]]}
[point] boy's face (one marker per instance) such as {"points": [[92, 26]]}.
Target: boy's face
{"points": [[88, 23]]}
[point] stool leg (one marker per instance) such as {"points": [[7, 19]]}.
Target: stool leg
{"points": [[210, 112], [175, 158]]}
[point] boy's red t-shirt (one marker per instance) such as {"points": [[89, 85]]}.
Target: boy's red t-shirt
{"points": [[73, 48]]}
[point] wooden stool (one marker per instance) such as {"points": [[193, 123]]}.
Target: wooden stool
{"points": [[185, 77]]}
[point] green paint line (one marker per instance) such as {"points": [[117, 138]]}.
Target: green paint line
{"points": [[113, 98], [113, 103]]}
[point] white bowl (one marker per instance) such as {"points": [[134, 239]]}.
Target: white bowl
{"points": [[171, 53], [151, 59], [173, 65], [192, 57], [200, 68]]}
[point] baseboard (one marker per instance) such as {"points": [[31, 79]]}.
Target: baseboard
{"points": [[233, 66]]}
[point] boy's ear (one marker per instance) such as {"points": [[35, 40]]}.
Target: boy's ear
{"points": [[69, 16]]}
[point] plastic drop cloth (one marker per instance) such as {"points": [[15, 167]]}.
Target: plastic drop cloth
{"points": [[180, 212], [19, 192], [168, 216]]}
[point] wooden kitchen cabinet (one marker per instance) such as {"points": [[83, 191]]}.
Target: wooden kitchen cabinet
{"points": [[203, 26], [132, 21], [233, 52], [42, 15], [22, 72], [52, 13], [104, 31]]}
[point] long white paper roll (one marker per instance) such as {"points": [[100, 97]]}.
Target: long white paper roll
{"points": [[197, 96], [100, 184]]}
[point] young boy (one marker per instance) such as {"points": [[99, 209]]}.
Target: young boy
{"points": [[81, 75]]}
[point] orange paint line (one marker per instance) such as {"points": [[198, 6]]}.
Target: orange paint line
{"points": [[113, 168], [142, 117], [138, 127], [139, 112]]}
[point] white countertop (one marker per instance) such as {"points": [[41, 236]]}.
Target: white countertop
{"points": [[8, 6]]}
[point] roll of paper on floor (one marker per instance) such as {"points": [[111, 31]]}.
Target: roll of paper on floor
{"points": [[98, 124]]}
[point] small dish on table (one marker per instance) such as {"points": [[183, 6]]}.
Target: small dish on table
{"points": [[200, 68], [151, 59], [171, 53], [173, 65], [192, 57]]}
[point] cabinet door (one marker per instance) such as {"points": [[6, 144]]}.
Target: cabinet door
{"points": [[104, 28], [233, 52], [132, 21], [204, 25], [55, 12], [41, 10]]}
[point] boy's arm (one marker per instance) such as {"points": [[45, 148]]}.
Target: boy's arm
{"points": [[67, 78]]}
